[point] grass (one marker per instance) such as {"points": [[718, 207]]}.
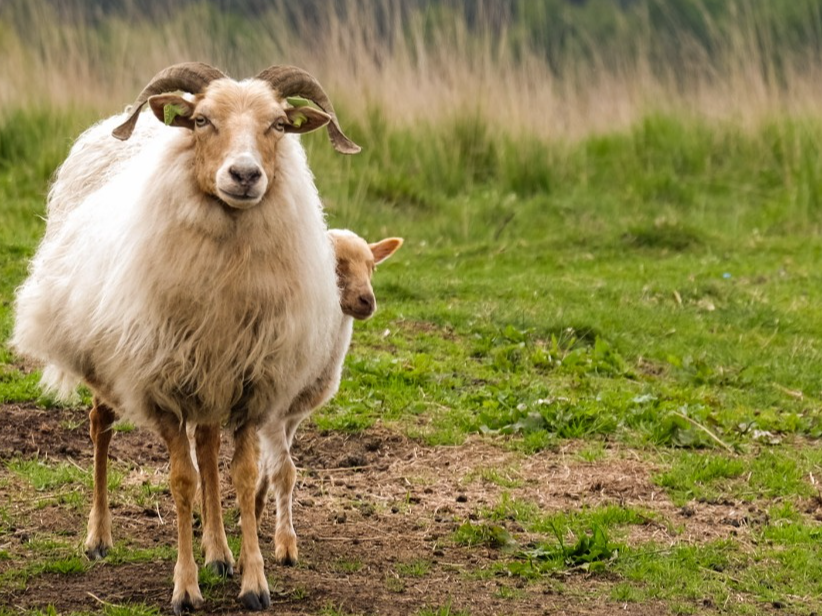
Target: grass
{"points": [[43, 476], [652, 288], [663, 298]]}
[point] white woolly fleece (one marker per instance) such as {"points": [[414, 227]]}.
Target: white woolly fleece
{"points": [[158, 296]]}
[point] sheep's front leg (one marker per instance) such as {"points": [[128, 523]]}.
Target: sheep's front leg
{"points": [[254, 593], [183, 481], [98, 539], [217, 553]]}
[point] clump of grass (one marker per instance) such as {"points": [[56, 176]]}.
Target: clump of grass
{"points": [[493, 536], [348, 565], [665, 236], [417, 568], [444, 610]]}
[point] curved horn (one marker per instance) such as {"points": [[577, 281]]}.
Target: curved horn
{"points": [[293, 81], [190, 77]]}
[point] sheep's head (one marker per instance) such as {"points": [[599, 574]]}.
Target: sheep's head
{"points": [[356, 262], [237, 126]]}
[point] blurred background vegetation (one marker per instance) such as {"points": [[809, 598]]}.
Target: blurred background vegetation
{"points": [[557, 68]]}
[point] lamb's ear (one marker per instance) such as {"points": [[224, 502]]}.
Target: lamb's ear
{"points": [[173, 110], [385, 248], [305, 119]]}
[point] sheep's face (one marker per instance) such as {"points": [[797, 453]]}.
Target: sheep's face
{"points": [[237, 128], [356, 262]]}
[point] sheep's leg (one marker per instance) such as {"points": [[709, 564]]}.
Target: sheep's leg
{"points": [[98, 539], [254, 593], [283, 477], [217, 553], [261, 495], [282, 473], [183, 482]]}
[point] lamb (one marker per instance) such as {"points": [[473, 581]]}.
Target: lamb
{"points": [[356, 261], [186, 278]]}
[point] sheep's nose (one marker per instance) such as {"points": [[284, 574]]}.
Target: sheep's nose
{"points": [[246, 175]]}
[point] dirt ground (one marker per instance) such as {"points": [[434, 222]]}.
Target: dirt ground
{"points": [[365, 505]]}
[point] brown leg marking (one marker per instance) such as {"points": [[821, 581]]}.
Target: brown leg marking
{"points": [[98, 539], [217, 553], [254, 593], [183, 482]]}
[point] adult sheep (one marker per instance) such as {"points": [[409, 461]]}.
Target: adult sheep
{"points": [[185, 276]]}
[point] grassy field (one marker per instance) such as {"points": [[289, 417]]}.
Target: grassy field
{"points": [[652, 293], [640, 303]]}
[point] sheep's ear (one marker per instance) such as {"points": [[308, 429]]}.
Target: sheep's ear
{"points": [[305, 119], [173, 110], [385, 248]]}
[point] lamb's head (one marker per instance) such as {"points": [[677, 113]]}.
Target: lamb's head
{"points": [[237, 126], [356, 262]]}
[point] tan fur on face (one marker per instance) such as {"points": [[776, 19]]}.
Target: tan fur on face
{"points": [[236, 127], [240, 118]]}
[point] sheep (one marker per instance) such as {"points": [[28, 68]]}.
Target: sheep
{"points": [[186, 278], [356, 261]]}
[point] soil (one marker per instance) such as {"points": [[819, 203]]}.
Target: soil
{"points": [[364, 505]]}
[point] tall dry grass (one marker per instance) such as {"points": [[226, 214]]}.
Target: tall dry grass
{"points": [[412, 67]]}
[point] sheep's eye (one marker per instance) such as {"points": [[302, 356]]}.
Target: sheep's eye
{"points": [[201, 121], [279, 125]]}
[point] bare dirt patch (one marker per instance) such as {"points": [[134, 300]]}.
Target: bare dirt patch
{"points": [[368, 509]]}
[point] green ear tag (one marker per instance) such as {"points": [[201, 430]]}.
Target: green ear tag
{"points": [[171, 111], [298, 120], [297, 101]]}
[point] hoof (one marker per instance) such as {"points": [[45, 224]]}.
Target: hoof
{"points": [[221, 568], [255, 602], [289, 560], [185, 605], [97, 552]]}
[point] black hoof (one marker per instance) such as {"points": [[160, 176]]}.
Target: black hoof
{"points": [[97, 552], [288, 561], [222, 569], [255, 602], [185, 605]]}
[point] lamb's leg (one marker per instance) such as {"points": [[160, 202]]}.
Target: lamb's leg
{"points": [[183, 482], [98, 539], [254, 593], [281, 470], [217, 553], [283, 475]]}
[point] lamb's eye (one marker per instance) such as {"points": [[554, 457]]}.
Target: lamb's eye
{"points": [[201, 121], [279, 124]]}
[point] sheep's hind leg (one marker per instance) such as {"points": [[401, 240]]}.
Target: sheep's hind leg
{"points": [[218, 555], [183, 482], [98, 539], [254, 593]]}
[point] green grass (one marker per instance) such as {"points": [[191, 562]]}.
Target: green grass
{"points": [[416, 568], [656, 290], [444, 610], [42, 475]]}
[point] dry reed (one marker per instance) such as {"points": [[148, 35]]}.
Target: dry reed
{"points": [[408, 70]]}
